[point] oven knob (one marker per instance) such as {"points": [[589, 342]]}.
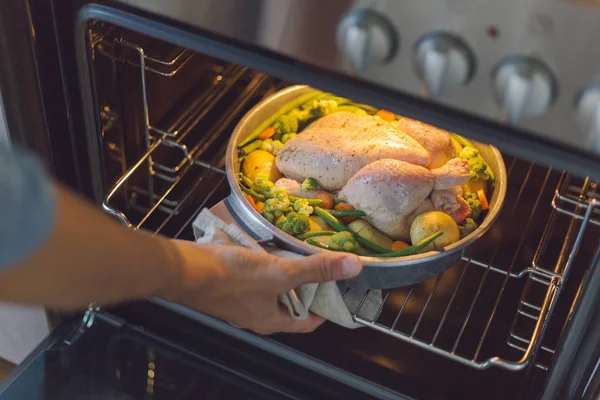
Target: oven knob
{"points": [[587, 108], [524, 87], [443, 61], [366, 38]]}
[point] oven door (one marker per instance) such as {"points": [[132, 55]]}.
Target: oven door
{"points": [[104, 357]]}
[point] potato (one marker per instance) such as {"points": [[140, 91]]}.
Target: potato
{"points": [[474, 186], [260, 161], [369, 232], [317, 223], [431, 222]]}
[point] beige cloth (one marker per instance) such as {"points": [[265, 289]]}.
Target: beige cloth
{"points": [[324, 299]]}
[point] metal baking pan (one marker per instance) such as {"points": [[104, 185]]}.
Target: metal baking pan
{"points": [[378, 273]]}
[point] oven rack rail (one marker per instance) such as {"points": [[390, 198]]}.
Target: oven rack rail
{"points": [[579, 204]]}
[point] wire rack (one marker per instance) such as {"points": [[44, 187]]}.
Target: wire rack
{"points": [[541, 290], [456, 323]]}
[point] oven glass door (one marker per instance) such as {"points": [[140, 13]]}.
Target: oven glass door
{"points": [[117, 361]]}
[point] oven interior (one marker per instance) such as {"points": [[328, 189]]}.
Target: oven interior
{"points": [[166, 114]]}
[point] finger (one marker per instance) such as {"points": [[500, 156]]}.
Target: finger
{"points": [[323, 267]]}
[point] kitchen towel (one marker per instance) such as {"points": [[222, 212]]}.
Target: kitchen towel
{"points": [[323, 299]]}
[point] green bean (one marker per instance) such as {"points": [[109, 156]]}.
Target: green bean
{"points": [[465, 142], [340, 227], [283, 110], [250, 184], [412, 249], [311, 202], [315, 233], [369, 109], [250, 147], [318, 243], [246, 180], [253, 193], [351, 109], [331, 220], [347, 213]]}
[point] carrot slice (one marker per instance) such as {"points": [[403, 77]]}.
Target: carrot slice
{"points": [[386, 115], [483, 200], [267, 133], [344, 206], [251, 201], [260, 206], [327, 200], [399, 245]]}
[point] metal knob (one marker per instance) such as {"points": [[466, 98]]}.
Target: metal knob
{"points": [[524, 87], [366, 38], [443, 61], [587, 109]]}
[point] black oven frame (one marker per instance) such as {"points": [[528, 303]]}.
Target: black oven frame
{"points": [[44, 111]]}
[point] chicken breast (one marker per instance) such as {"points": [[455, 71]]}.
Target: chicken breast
{"points": [[337, 146], [435, 140], [390, 191]]}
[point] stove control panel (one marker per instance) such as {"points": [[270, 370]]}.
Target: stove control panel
{"points": [[528, 63]]}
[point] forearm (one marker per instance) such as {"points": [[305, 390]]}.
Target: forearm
{"points": [[90, 258]]}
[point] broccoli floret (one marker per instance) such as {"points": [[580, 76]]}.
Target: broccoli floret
{"points": [[264, 184], [285, 138], [344, 241], [323, 107], [468, 153], [310, 184], [293, 223], [301, 207], [272, 146], [287, 123], [474, 204], [303, 116], [467, 227], [477, 166], [276, 206]]}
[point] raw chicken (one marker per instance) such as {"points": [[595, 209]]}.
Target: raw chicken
{"points": [[451, 202], [455, 172], [294, 188], [389, 192], [338, 145], [436, 141]]}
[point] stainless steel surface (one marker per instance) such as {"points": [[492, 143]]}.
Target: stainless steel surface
{"points": [[366, 39], [444, 62], [378, 273], [587, 107], [524, 87], [462, 325], [553, 31]]}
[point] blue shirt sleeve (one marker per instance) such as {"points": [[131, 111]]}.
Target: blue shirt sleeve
{"points": [[27, 205]]}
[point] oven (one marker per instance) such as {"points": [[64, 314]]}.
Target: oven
{"points": [[131, 103]]}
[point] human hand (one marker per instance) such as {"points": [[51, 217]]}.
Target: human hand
{"points": [[241, 286]]}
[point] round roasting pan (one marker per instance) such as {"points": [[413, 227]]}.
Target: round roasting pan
{"points": [[377, 273]]}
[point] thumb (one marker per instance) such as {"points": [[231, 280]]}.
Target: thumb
{"points": [[324, 267]]}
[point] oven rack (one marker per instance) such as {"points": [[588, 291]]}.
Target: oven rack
{"points": [[114, 48], [533, 312], [154, 207]]}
